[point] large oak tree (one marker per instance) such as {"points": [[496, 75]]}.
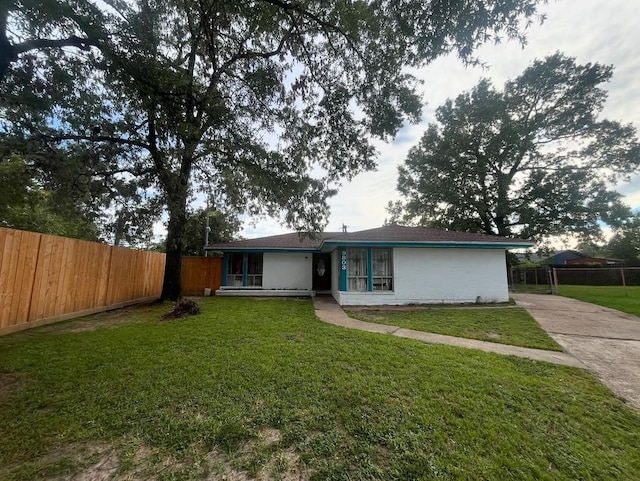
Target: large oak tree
{"points": [[535, 158], [267, 104]]}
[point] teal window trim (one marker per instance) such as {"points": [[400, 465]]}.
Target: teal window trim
{"points": [[344, 267], [342, 262], [369, 270], [245, 268], [225, 266]]}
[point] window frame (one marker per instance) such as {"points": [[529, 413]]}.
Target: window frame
{"points": [[244, 269], [254, 279], [385, 279], [370, 277]]}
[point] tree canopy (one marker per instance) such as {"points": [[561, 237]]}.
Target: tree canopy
{"points": [[532, 159], [28, 205], [267, 104], [625, 243], [223, 227]]}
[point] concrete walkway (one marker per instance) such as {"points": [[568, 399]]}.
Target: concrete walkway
{"points": [[329, 311], [605, 340]]}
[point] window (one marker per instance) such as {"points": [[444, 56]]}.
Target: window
{"points": [[357, 269], [382, 278], [254, 269], [234, 269], [368, 269], [244, 269]]}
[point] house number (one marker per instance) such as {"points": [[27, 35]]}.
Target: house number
{"points": [[344, 260]]}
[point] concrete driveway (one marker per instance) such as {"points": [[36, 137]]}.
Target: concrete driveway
{"points": [[605, 340]]}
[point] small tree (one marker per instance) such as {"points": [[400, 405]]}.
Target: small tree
{"points": [[533, 159]]}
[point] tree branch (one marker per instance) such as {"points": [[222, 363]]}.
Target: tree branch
{"points": [[249, 54], [40, 43], [134, 172], [326, 26], [96, 138]]}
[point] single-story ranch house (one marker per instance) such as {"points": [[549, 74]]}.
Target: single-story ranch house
{"points": [[387, 265]]}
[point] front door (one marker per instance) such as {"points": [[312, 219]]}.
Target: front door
{"points": [[321, 272]]}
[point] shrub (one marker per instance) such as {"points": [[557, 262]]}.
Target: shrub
{"points": [[183, 308]]}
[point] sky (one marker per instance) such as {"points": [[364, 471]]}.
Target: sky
{"points": [[590, 30]]}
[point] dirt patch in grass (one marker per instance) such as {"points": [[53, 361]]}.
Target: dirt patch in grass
{"points": [[284, 466], [270, 436], [108, 319], [9, 383], [258, 460], [90, 461], [104, 470]]}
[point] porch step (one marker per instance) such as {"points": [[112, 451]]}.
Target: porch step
{"points": [[258, 292]]}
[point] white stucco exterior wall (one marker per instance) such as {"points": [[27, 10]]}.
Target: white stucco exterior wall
{"points": [[287, 270], [440, 275]]}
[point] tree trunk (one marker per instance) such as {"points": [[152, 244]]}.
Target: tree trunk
{"points": [[502, 205], [172, 286]]}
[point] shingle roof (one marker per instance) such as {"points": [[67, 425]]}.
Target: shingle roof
{"points": [[398, 233], [385, 234], [293, 240]]}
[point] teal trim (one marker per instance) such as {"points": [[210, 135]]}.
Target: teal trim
{"points": [[457, 245], [225, 268], [245, 268], [342, 264], [369, 270]]}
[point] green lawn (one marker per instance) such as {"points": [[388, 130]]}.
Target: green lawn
{"points": [[625, 299], [506, 325], [261, 388]]}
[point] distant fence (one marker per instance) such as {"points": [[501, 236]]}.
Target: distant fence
{"points": [[200, 273], [546, 277], [538, 276], [597, 276], [45, 278]]}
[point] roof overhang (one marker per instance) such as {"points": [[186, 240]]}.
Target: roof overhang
{"points": [[261, 249], [326, 245], [432, 244]]}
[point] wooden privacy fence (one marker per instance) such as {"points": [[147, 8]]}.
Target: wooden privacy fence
{"points": [[199, 273], [45, 278]]}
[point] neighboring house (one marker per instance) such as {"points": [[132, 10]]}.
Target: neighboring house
{"points": [[387, 265], [575, 258]]}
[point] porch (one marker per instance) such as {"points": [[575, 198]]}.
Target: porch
{"points": [[263, 292]]}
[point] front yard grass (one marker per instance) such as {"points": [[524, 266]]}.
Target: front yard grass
{"points": [[505, 325], [261, 389], [625, 299]]}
